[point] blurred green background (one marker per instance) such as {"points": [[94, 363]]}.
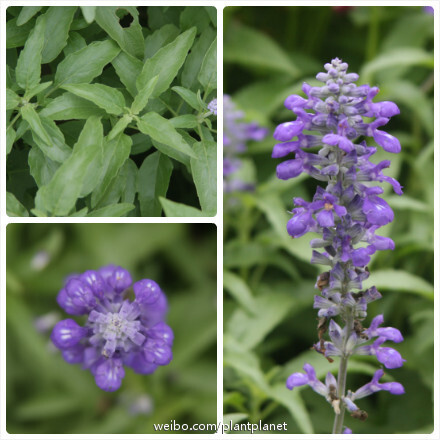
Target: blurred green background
{"points": [[269, 321], [47, 395]]}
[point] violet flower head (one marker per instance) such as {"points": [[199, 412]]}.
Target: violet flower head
{"points": [[345, 213], [236, 134], [212, 106], [117, 332]]}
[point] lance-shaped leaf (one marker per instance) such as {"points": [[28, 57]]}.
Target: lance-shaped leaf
{"points": [[36, 90], [120, 126], [10, 138], [14, 208], [161, 130], [128, 69], [68, 106], [58, 21], [166, 62], [115, 153], [28, 70], [27, 13], [115, 210], [130, 39], [208, 72], [29, 114], [189, 97], [12, 99], [153, 180], [204, 172], [108, 98], [88, 13], [41, 167], [174, 209], [59, 196], [85, 64], [141, 99]]}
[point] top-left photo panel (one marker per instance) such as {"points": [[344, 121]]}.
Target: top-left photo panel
{"points": [[111, 111]]}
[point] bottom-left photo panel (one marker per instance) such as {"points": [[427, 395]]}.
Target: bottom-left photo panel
{"points": [[111, 328]]}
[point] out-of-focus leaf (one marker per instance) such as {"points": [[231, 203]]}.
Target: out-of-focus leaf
{"points": [[252, 48], [401, 281], [239, 290]]}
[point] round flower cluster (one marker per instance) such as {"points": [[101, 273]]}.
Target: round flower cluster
{"points": [[117, 332]]}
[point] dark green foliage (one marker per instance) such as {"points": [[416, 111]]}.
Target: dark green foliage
{"points": [[45, 395], [269, 321], [108, 76]]}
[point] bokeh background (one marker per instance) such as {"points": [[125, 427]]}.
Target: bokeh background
{"points": [[269, 321], [45, 395]]}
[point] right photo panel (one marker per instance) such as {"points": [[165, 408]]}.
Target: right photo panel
{"points": [[328, 175]]}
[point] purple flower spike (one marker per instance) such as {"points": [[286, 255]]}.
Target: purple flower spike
{"points": [[118, 332], [341, 118]]}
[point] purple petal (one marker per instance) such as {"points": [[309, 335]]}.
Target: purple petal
{"points": [[296, 380], [286, 131], [389, 357], [120, 279], [289, 169], [325, 218], [386, 141], [147, 292], [157, 352], [109, 374], [67, 334]]}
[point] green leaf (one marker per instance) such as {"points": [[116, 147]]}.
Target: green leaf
{"points": [[12, 99], [16, 36], [56, 149], [128, 69], [240, 291], [29, 114], [58, 21], [208, 71], [166, 62], [130, 171], [174, 209], [185, 121], [141, 99], [194, 60], [10, 139], [59, 196], [26, 13], [42, 168], [131, 39], [36, 90], [194, 16], [68, 106], [153, 180], [204, 172], [253, 49], [116, 210], [75, 43], [119, 127], [28, 70], [88, 13], [115, 153], [108, 98], [400, 281], [407, 56], [160, 38], [161, 130], [189, 97], [14, 208], [85, 64]]}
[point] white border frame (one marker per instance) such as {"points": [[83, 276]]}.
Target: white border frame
{"points": [[217, 220]]}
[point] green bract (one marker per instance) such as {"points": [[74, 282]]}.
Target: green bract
{"points": [[107, 111]]}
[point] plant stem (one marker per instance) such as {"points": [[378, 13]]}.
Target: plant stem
{"points": [[342, 374]]}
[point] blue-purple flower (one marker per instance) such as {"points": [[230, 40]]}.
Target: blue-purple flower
{"points": [[236, 134], [116, 332], [345, 212]]}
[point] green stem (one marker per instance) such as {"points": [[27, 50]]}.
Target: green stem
{"points": [[373, 33], [13, 121]]}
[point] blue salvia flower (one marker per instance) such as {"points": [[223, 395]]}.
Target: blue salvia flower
{"points": [[236, 134], [346, 212], [117, 332]]}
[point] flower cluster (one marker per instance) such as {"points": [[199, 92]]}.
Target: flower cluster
{"points": [[346, 214], [235, 135], [118, 332]]}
